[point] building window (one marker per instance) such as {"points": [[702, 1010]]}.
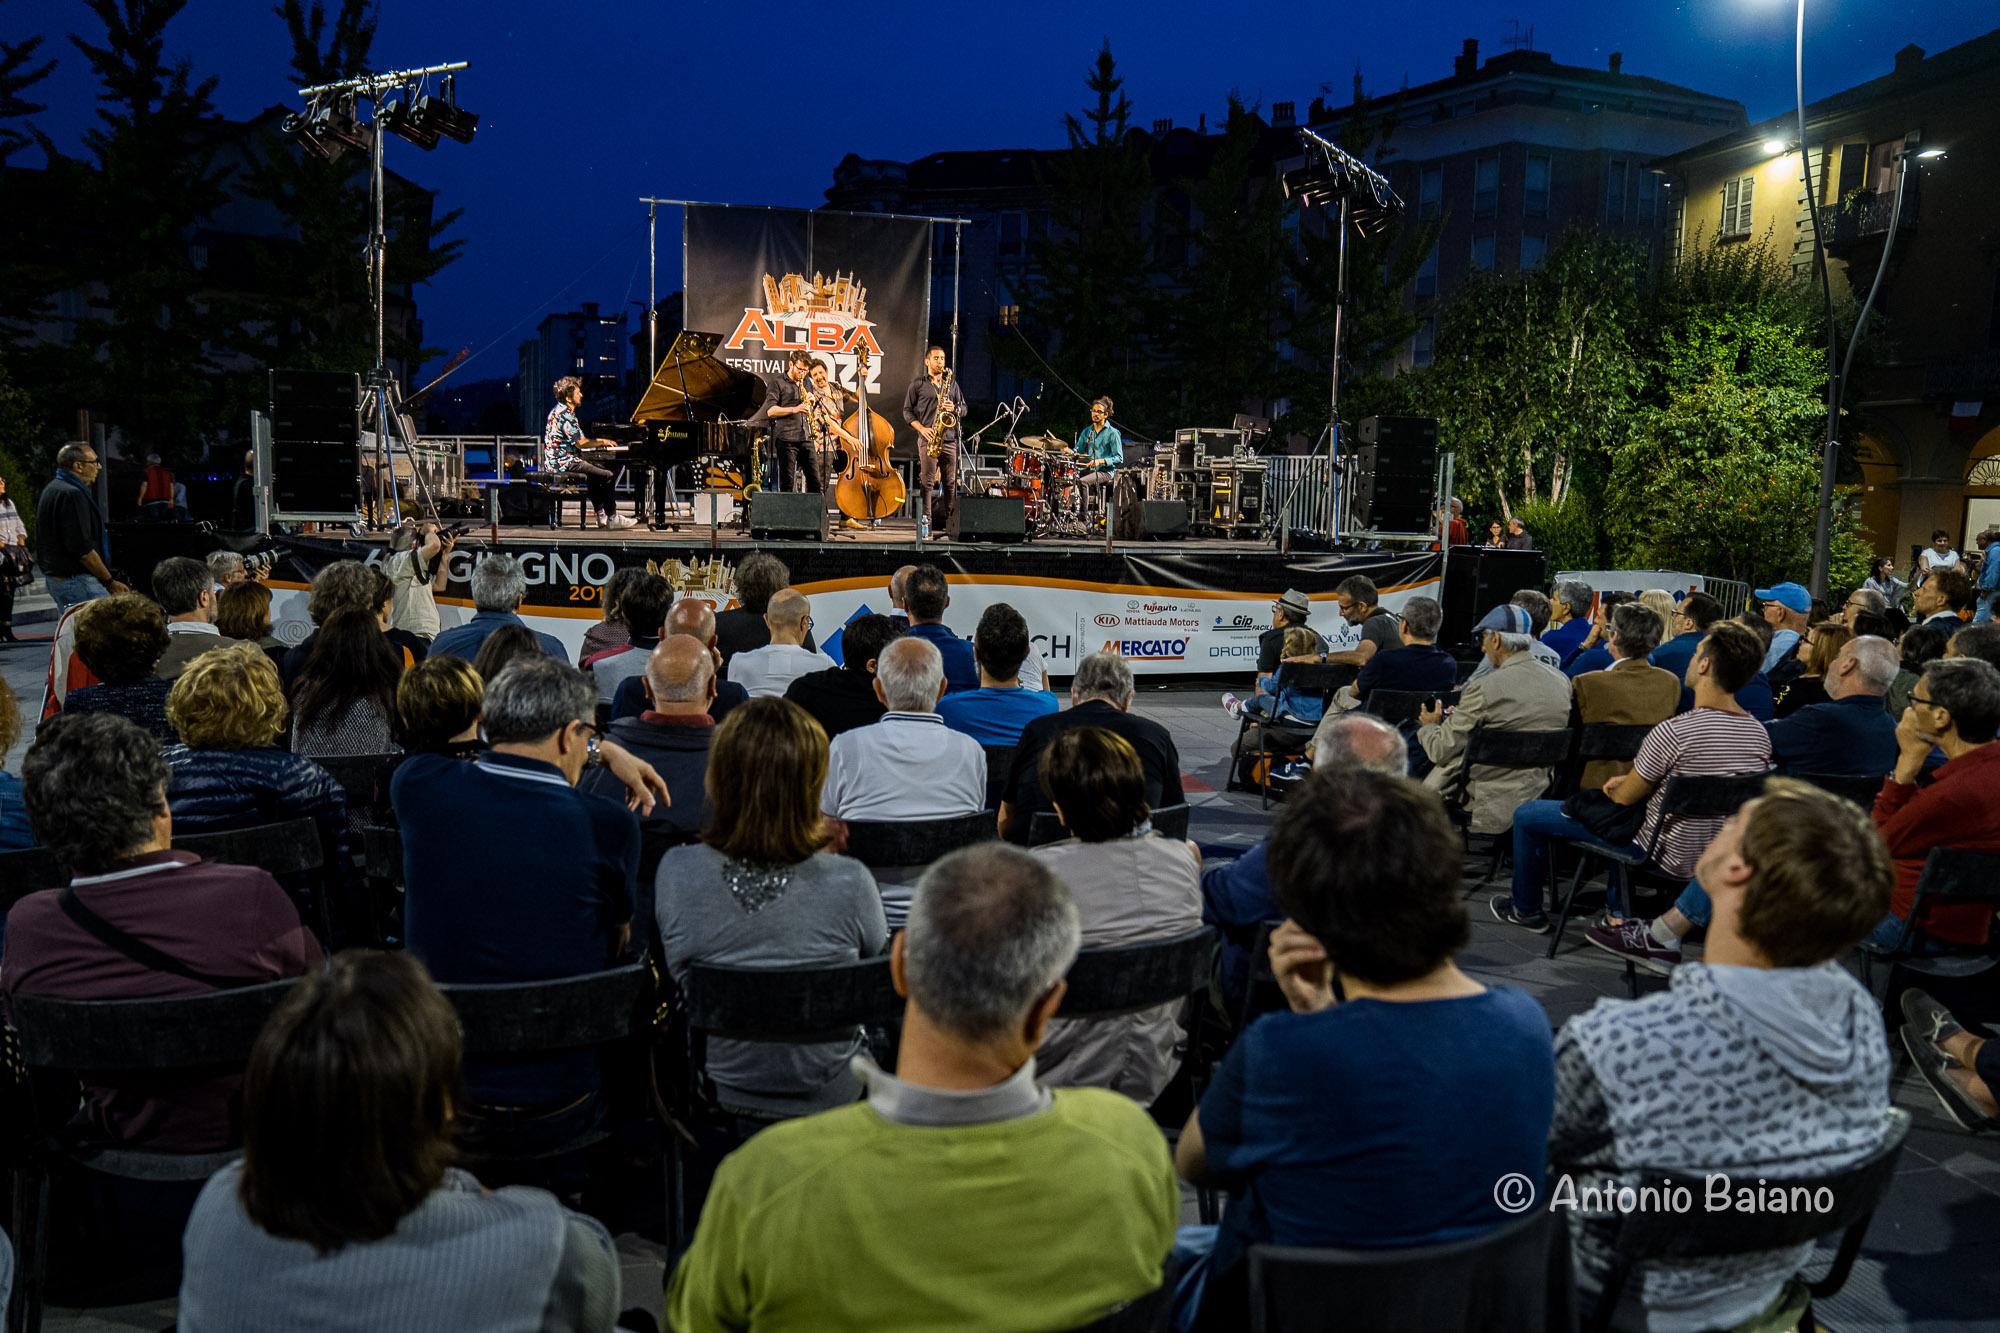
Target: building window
{"points": [[1427, 274], [1853, 168], [1009, 314], [1486, 187], [1532, 250], [1649, 197], [1535, 192], [1736, 200], [1614, 191], [1424, 346], [1011, 228], [1482, 252], [1430, 192]]}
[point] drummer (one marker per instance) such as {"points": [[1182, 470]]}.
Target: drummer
{"points": [[1100, 444]]}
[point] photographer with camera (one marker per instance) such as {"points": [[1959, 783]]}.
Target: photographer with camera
{"points": [[417, 554]]}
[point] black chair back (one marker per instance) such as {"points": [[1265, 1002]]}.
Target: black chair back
{"points": [[364, 777], [789, 1004], [1696, 1233], [1321, 678], [563, 1014], [1126, 978], [382, 852], [1689, 797], [1951, 876], [1394, 706], [29, 871], [1491, 748], [1169, 821], [1513, 1279], [1612, 740], [181, 1032], [289, 848], [888, 844], [999, 759], [1861, 791]]}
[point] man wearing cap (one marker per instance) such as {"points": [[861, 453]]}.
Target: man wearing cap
{"points": [[1517, 695], [1788, 610], [1294, 608]]}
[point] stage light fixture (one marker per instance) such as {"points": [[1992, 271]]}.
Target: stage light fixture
{"points": [[328, 129], [443, 116], [397, 117]]}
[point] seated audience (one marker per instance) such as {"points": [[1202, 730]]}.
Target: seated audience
{"points": [[1850, 734], [1100, 695], [766, 672], [1961, 1067], [96, 790], [498, 589], [1980, 641], [551, 898], [344, 585], [1418, 665], [1570, 617], [1955, 708], [673, 734], [1130, 885], [842, 698], [1940, 597], [612, 631], [243, 612], [643, 605], [120, 638], [1787, 610], [1862, 601], [1275, 696], [1537, 607], [1766, 1060], [1519, 694], [994, 713], [742, 627], [1343, 1123], [1291, 611], [1693, 618], [1716, 738], [927, 593], [505, 646], [437, 708], [410, 647], [1755, 696], [1920, 646], [344, 698], [1629, 693], [960, 1194], [185, 591], [1663, 605], [1236, 895], [1802, 682], [346, 1212], [1593, 654], [1360, 607], [695, 618], [16, 830], [759, 890]]}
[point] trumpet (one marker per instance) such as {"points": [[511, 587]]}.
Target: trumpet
{"points": [[946, 418]]}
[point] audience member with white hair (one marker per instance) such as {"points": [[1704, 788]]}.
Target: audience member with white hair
{"points": [[910, 765], [962, 1192], [1100, 695], [1570, 616], [498, 589], [1851, 734], [766, 672]]}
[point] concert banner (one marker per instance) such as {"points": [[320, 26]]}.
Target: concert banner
{"points": [[776, 280]]}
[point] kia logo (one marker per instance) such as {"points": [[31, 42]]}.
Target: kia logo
{"points": [[1106, 620]]}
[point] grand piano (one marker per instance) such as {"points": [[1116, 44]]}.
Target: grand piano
{"points": [[695, 414]]}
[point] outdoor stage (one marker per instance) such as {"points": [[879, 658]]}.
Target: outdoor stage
{"points": [[1170, 607]]}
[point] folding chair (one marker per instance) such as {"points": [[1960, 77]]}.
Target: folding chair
{"points": [[292, 851], [1169, 821], [1861, 791], [999, 759], [1950, 875], [1399, 706], [1513, 1279], [29, 871], [1699, 1234], [1321, 678], [188, 1033], [899, 850], [365, 779], [1487, 747]]}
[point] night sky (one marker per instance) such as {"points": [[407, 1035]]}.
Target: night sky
{"points": [[586, 106]]}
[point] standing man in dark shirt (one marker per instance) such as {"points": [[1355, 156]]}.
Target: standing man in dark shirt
{"points": [[920, 409], [844, 697], [1100, 694], [71, 529], [1518, 538], [788, 410]]}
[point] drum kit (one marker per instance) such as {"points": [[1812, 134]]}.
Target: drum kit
{"points": [[1046, 476]]}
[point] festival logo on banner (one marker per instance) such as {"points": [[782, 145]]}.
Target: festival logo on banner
{"points": [[827, 317]]}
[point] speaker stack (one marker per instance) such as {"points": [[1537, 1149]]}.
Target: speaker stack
{"points": [[1395, 483], [315, 441]]}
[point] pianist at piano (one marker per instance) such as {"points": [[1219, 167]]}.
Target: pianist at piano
{"points": [[562, 438]]}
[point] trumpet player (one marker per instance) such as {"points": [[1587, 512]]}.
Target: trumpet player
{"points": [[937, 450]]}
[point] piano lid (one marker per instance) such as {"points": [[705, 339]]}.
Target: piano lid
{"points": [[692, 385]]}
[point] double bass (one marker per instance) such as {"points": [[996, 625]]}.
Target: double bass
{"points": [[870, 488]]}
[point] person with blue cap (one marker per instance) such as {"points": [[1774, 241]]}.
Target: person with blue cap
{"points": [[1788, 610]]}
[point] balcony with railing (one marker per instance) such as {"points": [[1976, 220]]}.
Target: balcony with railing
{"points": [[1864, 216]]}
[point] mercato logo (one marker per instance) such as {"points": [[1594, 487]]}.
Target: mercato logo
{"points": [[1148, 650]]}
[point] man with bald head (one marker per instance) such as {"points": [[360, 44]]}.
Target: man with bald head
{"points": [[767, 671], [672, 735], [1852, 734], [696, 619]]}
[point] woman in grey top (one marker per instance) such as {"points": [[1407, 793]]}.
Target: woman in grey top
{"points": [[757, 891], [1130, 885], [344, 699], [345, 1212]]}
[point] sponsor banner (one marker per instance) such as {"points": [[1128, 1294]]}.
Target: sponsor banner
{"points": [[1168, 613], [777, 280]]}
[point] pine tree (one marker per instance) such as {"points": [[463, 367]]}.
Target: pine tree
{"points": [[16, 77]]}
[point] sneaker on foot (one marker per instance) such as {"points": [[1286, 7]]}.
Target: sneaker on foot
{"points": [[1926, 1018], [1232, 706], [1503, 911], [1633, 940], [620, 521]]}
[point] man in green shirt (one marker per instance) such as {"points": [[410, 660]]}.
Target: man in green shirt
{"points": [[960, 1195]]}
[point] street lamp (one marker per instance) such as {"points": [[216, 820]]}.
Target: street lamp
{"points": [[1830, 446]]}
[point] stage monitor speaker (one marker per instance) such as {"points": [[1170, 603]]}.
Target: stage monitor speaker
{"points": [[788, 515], [314, 476], [990, 518], [1163, 518], [522, 502], [1476, 580], [315, 405]]}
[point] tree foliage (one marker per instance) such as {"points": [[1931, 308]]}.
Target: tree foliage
{"points": [[17, 76]]}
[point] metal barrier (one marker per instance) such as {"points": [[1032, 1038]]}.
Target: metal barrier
{"points": [[1297, 483], [1734, 596]]}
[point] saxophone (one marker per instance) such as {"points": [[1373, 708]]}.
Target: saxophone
{"points": [[946, 418], [754, 478]]}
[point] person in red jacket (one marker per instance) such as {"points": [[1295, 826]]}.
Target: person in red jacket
{"points": [[1955, 707]]}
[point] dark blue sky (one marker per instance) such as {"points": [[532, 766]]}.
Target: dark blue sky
{"points": [[586, 106]]}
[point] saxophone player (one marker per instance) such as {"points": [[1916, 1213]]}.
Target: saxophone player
{"points": [[937, 454]]}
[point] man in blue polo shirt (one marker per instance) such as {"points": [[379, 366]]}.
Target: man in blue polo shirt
{"points": [[1691, 620], [498, 589], [1572, 605], [1852, 734], [928, 594], [994, 713], [514, 875]]}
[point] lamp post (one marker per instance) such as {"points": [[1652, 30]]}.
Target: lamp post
{"points": [[1830, 447]]}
